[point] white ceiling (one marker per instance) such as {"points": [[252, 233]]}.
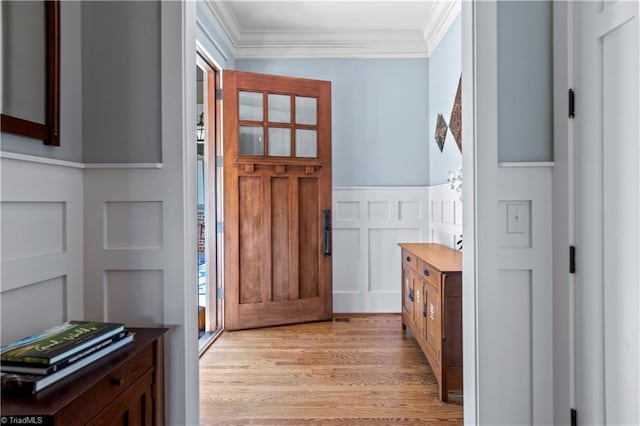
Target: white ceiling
{"points": [[334, 28]]}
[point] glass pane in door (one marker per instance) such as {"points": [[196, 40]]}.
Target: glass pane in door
{"points": [[279, 108], [250, 140], [306, 143], [203, 211], [306, 110], [250, 104], [279, 142]]}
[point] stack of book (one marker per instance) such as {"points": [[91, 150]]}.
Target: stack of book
{"points": [[35, 362]]}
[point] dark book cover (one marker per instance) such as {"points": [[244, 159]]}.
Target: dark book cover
{"points": [[59, 342], [27, 368], [32, 383]]}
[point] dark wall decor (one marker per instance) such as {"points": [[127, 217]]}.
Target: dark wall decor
{"points": [[17, 57], [441, 132], [455, 122]]}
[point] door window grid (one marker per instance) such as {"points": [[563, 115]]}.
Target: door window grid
{"points": [[268, 120]]}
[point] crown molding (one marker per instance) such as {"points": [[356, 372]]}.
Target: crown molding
{"points": [[226, 19], [314, 44], [438, 21], [249, 44]]}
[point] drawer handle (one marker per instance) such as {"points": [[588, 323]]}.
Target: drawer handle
{"points": [[411, 294], [426, 272], [116, 381], [408, 258], [424, 310]]}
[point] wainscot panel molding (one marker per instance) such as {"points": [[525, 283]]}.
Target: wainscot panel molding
{"points": [[42, 243], [445, 226], [124, 242], [368, 223], [524, 291]]}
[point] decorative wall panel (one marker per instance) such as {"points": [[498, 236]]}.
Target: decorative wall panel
{"points": [[42, 244], [134, 297], [367, 226]]}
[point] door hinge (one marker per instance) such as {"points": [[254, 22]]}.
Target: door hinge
{"points": [[218, 94], [219, 161], [220, 293], [574, 417], [572, 259], [572, 104], [220, 227]]}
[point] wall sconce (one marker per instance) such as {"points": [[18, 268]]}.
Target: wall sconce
{"points": [[200, 128]]}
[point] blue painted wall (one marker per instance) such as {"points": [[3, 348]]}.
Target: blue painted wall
{"points": [[445, 66], [525, 84], [121, 82], [380, 112]]}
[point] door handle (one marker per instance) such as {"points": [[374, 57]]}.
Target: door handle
{"points": [[326, 216]]}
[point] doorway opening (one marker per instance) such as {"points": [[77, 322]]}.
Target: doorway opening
{"points": [[209, 210]]}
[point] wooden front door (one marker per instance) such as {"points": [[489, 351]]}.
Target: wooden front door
{"points": [[277, 200]]}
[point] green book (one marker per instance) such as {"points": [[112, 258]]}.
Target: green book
{"points": [[32, 383], [59, 342]]}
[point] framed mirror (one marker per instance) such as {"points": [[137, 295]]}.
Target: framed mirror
{"points": [[31, 69]]}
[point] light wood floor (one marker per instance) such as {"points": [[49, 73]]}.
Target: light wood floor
{"points": [[365, 371]]}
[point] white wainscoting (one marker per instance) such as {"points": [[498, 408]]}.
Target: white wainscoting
{"points": [[368, 224], [445, 226], [42, 244], [520, 321], [124, 241]]}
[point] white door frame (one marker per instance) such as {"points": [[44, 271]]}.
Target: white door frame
{"points": [[479, 211], [563, 215], [478, 193], [178, 97]]}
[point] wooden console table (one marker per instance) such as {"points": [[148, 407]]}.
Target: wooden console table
{"points": [[125, 387], [432, 308]]}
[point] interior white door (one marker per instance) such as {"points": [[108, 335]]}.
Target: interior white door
{"points": [[607, 212]]}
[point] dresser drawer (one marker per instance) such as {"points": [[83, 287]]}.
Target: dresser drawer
{"points": [[410, 260], [133, 406], [429, 273], [106, 390]]}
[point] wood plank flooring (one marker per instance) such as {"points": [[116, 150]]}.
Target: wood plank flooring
{"points": [[364, 371]]}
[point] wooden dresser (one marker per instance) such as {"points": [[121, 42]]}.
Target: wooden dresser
{"points": [[125, 387], [432, 308]]}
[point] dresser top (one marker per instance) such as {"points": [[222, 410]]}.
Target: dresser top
{"points": [[50, 400], [440, 257]]}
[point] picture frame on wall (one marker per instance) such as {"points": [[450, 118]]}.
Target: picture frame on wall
{"points": [[441, 132], [455, 121]]}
